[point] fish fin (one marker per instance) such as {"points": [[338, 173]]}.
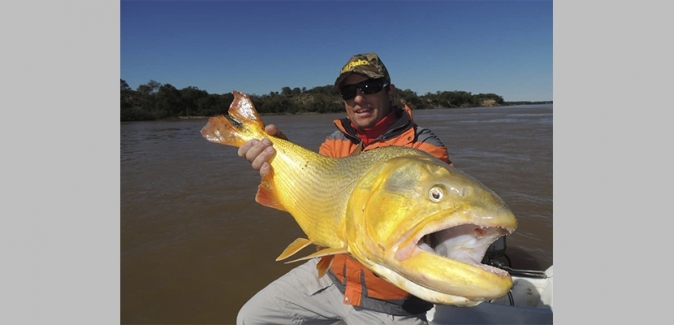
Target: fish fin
{"points": [[222, 130], [240, 124], [266, 193], [322, 252], [243, 111], [324, 264], [293, 248]]}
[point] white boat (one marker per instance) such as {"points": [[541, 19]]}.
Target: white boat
{"points": [[529, 301]]}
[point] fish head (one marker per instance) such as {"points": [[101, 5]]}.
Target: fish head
{"points": [[425, 227]]}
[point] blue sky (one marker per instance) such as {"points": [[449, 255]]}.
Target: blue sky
{"points": [[502, 47]]}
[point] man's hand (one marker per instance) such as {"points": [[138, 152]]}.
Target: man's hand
{"points": [[259, 152]]}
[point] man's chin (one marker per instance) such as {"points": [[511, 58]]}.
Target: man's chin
{"points": [[365, 122]]}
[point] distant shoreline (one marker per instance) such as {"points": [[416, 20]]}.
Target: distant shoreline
{"points": [[199, 117]]}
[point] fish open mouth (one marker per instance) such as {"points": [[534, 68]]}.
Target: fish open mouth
{"points": [[465, 243]]}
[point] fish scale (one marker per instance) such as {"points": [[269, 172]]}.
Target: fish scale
{"points": [[300, 185]]}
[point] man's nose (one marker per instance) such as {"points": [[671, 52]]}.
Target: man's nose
{"points": [[359, 95]]}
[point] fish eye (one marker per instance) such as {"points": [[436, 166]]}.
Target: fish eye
{"points": [[436, 193]]}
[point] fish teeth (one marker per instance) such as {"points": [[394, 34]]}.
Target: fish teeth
{"points": [[426, 247]]}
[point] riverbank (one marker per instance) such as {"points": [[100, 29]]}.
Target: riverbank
{"points": [[200, 117]]}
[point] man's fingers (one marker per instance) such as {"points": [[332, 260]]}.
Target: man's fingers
{"points": [[245, 148], [258, 152], [252, 150], [264, 169], [262, 157], [271, 129]]}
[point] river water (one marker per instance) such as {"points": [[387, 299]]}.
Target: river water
{"points": [[195, 245]]}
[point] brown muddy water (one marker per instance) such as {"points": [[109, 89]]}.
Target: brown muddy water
{"points": [[195, 245]]}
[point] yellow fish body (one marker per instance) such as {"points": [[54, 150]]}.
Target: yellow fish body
{"points": [[409, 217]]}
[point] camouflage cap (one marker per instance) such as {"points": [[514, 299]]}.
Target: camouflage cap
{"points": [[368, 64]]}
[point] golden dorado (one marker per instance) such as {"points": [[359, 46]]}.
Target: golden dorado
{"points": [[409, 217]]}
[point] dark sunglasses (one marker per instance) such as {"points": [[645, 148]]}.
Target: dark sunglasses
{"points": [[369, 86]]}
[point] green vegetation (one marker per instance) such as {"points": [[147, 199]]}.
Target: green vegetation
{"points": [[154, 100]]}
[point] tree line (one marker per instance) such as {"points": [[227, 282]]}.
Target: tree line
{"points": [[153, 100]]}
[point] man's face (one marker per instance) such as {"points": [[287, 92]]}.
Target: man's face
{"points": [[366, 110]]}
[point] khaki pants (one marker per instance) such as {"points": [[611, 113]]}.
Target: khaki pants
{"points": [[299, 297]]}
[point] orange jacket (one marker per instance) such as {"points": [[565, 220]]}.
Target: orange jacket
{"points": [[361, 287]]}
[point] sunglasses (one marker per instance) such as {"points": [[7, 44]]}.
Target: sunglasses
{"points": [[370, 86]]}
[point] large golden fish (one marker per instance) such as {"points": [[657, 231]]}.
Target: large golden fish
{"points": [[409, 217]]}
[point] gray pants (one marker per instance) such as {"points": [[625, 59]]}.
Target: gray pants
{"points": [[299, 297]]}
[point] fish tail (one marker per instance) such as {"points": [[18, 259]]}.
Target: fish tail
{"points": [[241, 124]]}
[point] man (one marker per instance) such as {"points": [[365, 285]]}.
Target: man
{"points": [[349, 291]]}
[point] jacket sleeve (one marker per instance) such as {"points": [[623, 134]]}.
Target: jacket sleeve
{"points": [[326, 149], [429, 142], [335, 145]]}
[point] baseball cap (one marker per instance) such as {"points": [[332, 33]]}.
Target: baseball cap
{"points": [[368, 64]]}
